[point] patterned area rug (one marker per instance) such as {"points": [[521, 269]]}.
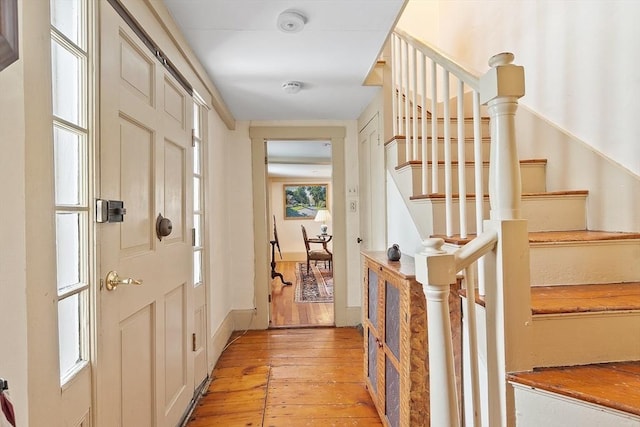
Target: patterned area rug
{"points": [[316, 286]]}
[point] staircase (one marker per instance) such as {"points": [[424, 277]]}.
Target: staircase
{"points": [[580, 335]]}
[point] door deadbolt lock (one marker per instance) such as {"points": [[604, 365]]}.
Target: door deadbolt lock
{"points": [[163, 227]]}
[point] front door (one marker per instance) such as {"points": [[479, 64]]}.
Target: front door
{"points": [[145, 363]]}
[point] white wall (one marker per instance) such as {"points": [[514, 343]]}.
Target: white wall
{"points": [[579, 59], [217, 221]]}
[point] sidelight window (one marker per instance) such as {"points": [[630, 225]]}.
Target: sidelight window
{"points": [[71, 149]]}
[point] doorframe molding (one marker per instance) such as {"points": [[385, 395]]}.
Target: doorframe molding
{"points": [[258, 135]]}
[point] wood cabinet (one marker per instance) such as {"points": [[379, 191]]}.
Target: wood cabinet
{"points": [[396, 364]]}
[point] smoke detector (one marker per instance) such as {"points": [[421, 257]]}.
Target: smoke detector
{"points": [[291, 87], [291, 21]]}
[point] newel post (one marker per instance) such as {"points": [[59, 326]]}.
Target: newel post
{"points": [[435, 270], [500, 89]]}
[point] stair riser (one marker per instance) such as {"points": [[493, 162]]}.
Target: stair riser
{"points": [[400, 148], [532, 177], [585, 338], [585, 262], [572, 217], [535, 408], [468, 128]]}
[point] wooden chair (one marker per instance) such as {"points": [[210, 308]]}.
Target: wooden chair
{"points": [[316, 255]]}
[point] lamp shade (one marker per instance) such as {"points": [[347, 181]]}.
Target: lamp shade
{"points": [[323, 216]]}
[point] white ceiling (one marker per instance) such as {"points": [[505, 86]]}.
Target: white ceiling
{"points": [[296, 159], [248, 58]]}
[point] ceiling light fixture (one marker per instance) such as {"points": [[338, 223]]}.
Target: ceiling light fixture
{"points": [[291, 21], [291, 87]]}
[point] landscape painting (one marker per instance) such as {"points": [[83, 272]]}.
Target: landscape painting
{"points": [[302, 201]]}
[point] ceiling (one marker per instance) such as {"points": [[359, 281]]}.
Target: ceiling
{"points": [[248, 58], [299, 159]]}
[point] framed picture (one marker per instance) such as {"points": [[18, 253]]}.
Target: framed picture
{"points": [[302, 201], [8, 33]]}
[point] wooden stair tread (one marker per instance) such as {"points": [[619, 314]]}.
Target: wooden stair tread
{"points": [[468, 163], [579, 236], [437, 196], [554, 236], [612, 385], [585, 298]]}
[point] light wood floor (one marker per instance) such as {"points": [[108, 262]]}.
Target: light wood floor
{"points": [[285, 312], [289, 377]]}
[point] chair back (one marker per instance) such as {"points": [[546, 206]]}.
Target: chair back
{"points": [[304, 236]]}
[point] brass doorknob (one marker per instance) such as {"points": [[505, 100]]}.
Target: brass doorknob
{"points": [[113, 281]]}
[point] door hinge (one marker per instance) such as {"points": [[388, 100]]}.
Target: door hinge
{"points": [[193, 137], [193, 342], [266, 160], [269, 298], [193, 237]]}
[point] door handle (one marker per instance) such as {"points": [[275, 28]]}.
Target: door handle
{"points": [[113, 281]]}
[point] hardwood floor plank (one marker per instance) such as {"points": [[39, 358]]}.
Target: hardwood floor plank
{"points": [[287, 392], [285, 312], [322, 422], [289, 377], [323, 373], [361, 410]]}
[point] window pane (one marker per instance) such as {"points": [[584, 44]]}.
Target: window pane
{"points": [[66, 68], [69, 333], [196, 120], [196, 158], [197, 225], [197, 268], [196, 194], [65, 16], [67, 150], [68, 249]]}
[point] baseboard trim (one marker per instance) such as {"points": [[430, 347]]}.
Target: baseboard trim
{"points": [[353, 316], [218, 340]]}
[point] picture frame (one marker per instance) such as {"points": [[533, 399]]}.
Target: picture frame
{"points": [[8, 33], [302, 201]]}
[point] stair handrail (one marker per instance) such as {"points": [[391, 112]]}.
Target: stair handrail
{"points": [[469, 76]]}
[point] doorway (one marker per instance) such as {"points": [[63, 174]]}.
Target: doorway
{"points": [[262, 230], [299, 188]]}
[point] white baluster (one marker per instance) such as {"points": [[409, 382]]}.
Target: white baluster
{"points": [[423, 116], [462, 180], [414, 100], [448, 185], [407, 111], [478, 178], [434, 128], [394, 84]]}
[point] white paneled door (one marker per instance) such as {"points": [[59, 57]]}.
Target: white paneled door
{"points": [[144, 359]]}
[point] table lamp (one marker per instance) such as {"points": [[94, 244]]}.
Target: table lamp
{"points": [[323, 216]]}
